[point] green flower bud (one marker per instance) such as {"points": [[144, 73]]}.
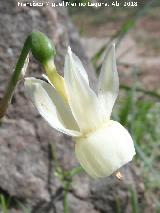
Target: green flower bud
{"points": [[42, 47]]}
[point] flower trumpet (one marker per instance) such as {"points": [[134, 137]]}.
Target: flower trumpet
{"points": [[69, 105]]}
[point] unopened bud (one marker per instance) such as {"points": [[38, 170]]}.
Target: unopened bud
{"points": [[42, 47]]}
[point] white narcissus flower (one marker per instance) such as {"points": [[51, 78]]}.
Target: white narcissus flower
{"points": [[102, 145]]}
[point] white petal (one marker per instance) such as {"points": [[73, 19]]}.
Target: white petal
{"points": [[79, 66], [108, 85], [82, 99], [104, 151], [51, 106]]}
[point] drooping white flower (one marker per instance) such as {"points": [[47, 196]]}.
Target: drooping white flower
{"points": [[102, 145]]}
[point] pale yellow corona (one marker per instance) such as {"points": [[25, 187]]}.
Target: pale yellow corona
{"points": [[69, 105]]}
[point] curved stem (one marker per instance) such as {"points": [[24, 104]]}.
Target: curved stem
{"points": [[14, 78]]}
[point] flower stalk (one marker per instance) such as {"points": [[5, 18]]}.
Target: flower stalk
{"points": [[42, 49], [5, 101]]}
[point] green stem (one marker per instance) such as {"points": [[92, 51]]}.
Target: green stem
{"points": [[67, 186], [65, 177], [14, 78]]}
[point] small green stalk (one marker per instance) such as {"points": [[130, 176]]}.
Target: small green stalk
{"points": [[67, 185], [4, 203], [68, 177]]}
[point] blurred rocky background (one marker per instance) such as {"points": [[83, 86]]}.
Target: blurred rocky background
{"points": [[27, 179]]}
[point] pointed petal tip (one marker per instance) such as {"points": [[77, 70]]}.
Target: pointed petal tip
{"points": [[113, 45], [69, 50], [28, 80], [111, 48]]}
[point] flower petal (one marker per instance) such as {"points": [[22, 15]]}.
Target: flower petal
{"points": [[82, 99], [108, 85], [79, 67], [51, 106], [104, 151]]}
